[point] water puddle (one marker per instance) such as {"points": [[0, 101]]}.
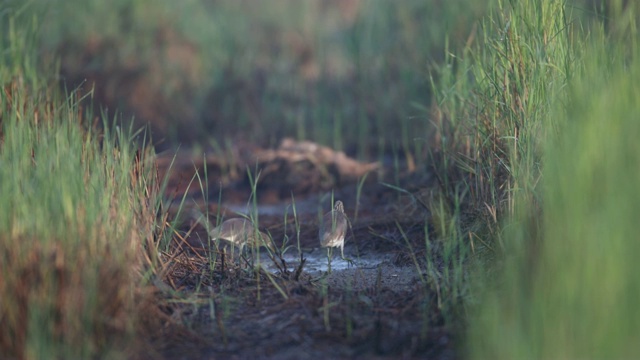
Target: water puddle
{"points": [[317, 262], [373, 271], [369, 269]]}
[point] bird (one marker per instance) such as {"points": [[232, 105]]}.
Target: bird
{"points": [[333, 230], [241, 232]]}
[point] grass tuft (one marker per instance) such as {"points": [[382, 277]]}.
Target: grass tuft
{"points": [[75, 218]]}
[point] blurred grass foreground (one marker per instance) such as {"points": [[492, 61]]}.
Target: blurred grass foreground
{"points": [[77, 211], [526, 112]]}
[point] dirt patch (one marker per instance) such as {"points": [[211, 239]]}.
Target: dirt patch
{"points": [[381, 307], [381, 312], [294, 169]]}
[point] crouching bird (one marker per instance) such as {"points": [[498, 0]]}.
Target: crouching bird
{"points": [[241, 232]]}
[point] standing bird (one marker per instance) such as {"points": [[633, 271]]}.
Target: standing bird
{"points": [[241, 232], [333, 229]]}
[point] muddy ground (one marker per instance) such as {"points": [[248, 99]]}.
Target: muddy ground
{"points": [[383, 306]]}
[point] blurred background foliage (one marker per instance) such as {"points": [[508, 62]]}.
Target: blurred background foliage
{"points": [[346, 73]]}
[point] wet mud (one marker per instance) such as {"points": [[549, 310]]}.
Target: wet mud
{"points": [[287, 305]]}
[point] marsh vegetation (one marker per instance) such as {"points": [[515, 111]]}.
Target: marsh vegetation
{"points": [[485, 154]]}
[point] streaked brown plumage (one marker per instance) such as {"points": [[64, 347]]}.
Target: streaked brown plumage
{"points": [[333, 229], [240, 232]]}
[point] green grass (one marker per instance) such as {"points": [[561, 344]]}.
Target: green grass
{"points": [[527, 118], [489, 106], [537, 119], [570, 286], [74, 219]]}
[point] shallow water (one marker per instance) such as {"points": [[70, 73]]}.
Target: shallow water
{"points": [[365, 270], [317, 262], [372, 271]]}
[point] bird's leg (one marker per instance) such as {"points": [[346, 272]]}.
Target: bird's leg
{"points": [[329, 253], [245, 256], [342, 253], [240, 249]]}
